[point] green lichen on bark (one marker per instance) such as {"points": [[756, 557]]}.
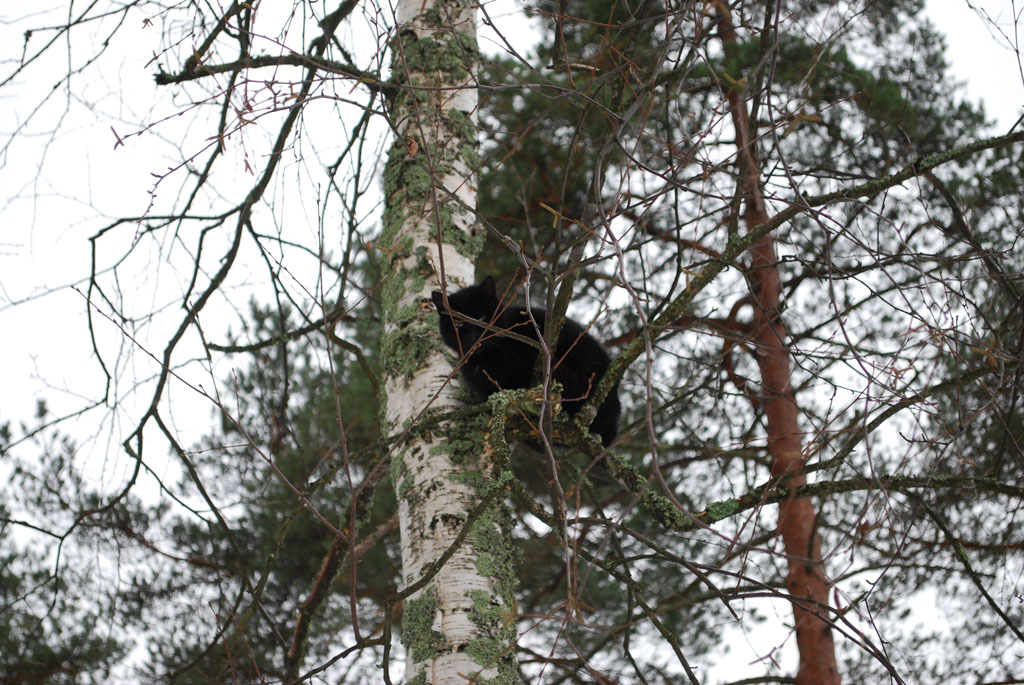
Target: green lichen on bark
{"points": [[495, 557], [418, 634], [465, 441], [464, 128], [424, 59], [466, 242], [391, 291], [404, 172], [473, 479], [412, 331], [400, 478], [495, 647], [660, 507], [404, 351], [449, 54], [408, 187], [722, 510], [418, 283], [485, 650], [486, 612], [492, 611]]}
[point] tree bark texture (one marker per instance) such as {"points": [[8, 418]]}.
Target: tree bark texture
{"points": [[458, 622]]}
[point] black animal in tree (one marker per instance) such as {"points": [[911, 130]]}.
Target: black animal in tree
{"points": [[501, 362]]}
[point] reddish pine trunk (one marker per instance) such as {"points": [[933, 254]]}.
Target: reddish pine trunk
{"points": [[805, 579]]}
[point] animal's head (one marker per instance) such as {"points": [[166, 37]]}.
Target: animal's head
{"points": [[478, 301]]}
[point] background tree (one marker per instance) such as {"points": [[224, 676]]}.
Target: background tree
{"points": [[799, 242]]}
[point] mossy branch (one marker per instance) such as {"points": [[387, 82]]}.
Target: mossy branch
{"points": [[771, 492]]}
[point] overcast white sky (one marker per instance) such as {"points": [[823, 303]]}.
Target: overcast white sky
{"points": [[981, 56]]}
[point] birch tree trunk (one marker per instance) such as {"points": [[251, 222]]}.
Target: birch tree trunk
{"points": [[458, 617]]}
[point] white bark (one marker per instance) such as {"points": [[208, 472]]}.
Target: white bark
{"points": [[443, 633]]}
